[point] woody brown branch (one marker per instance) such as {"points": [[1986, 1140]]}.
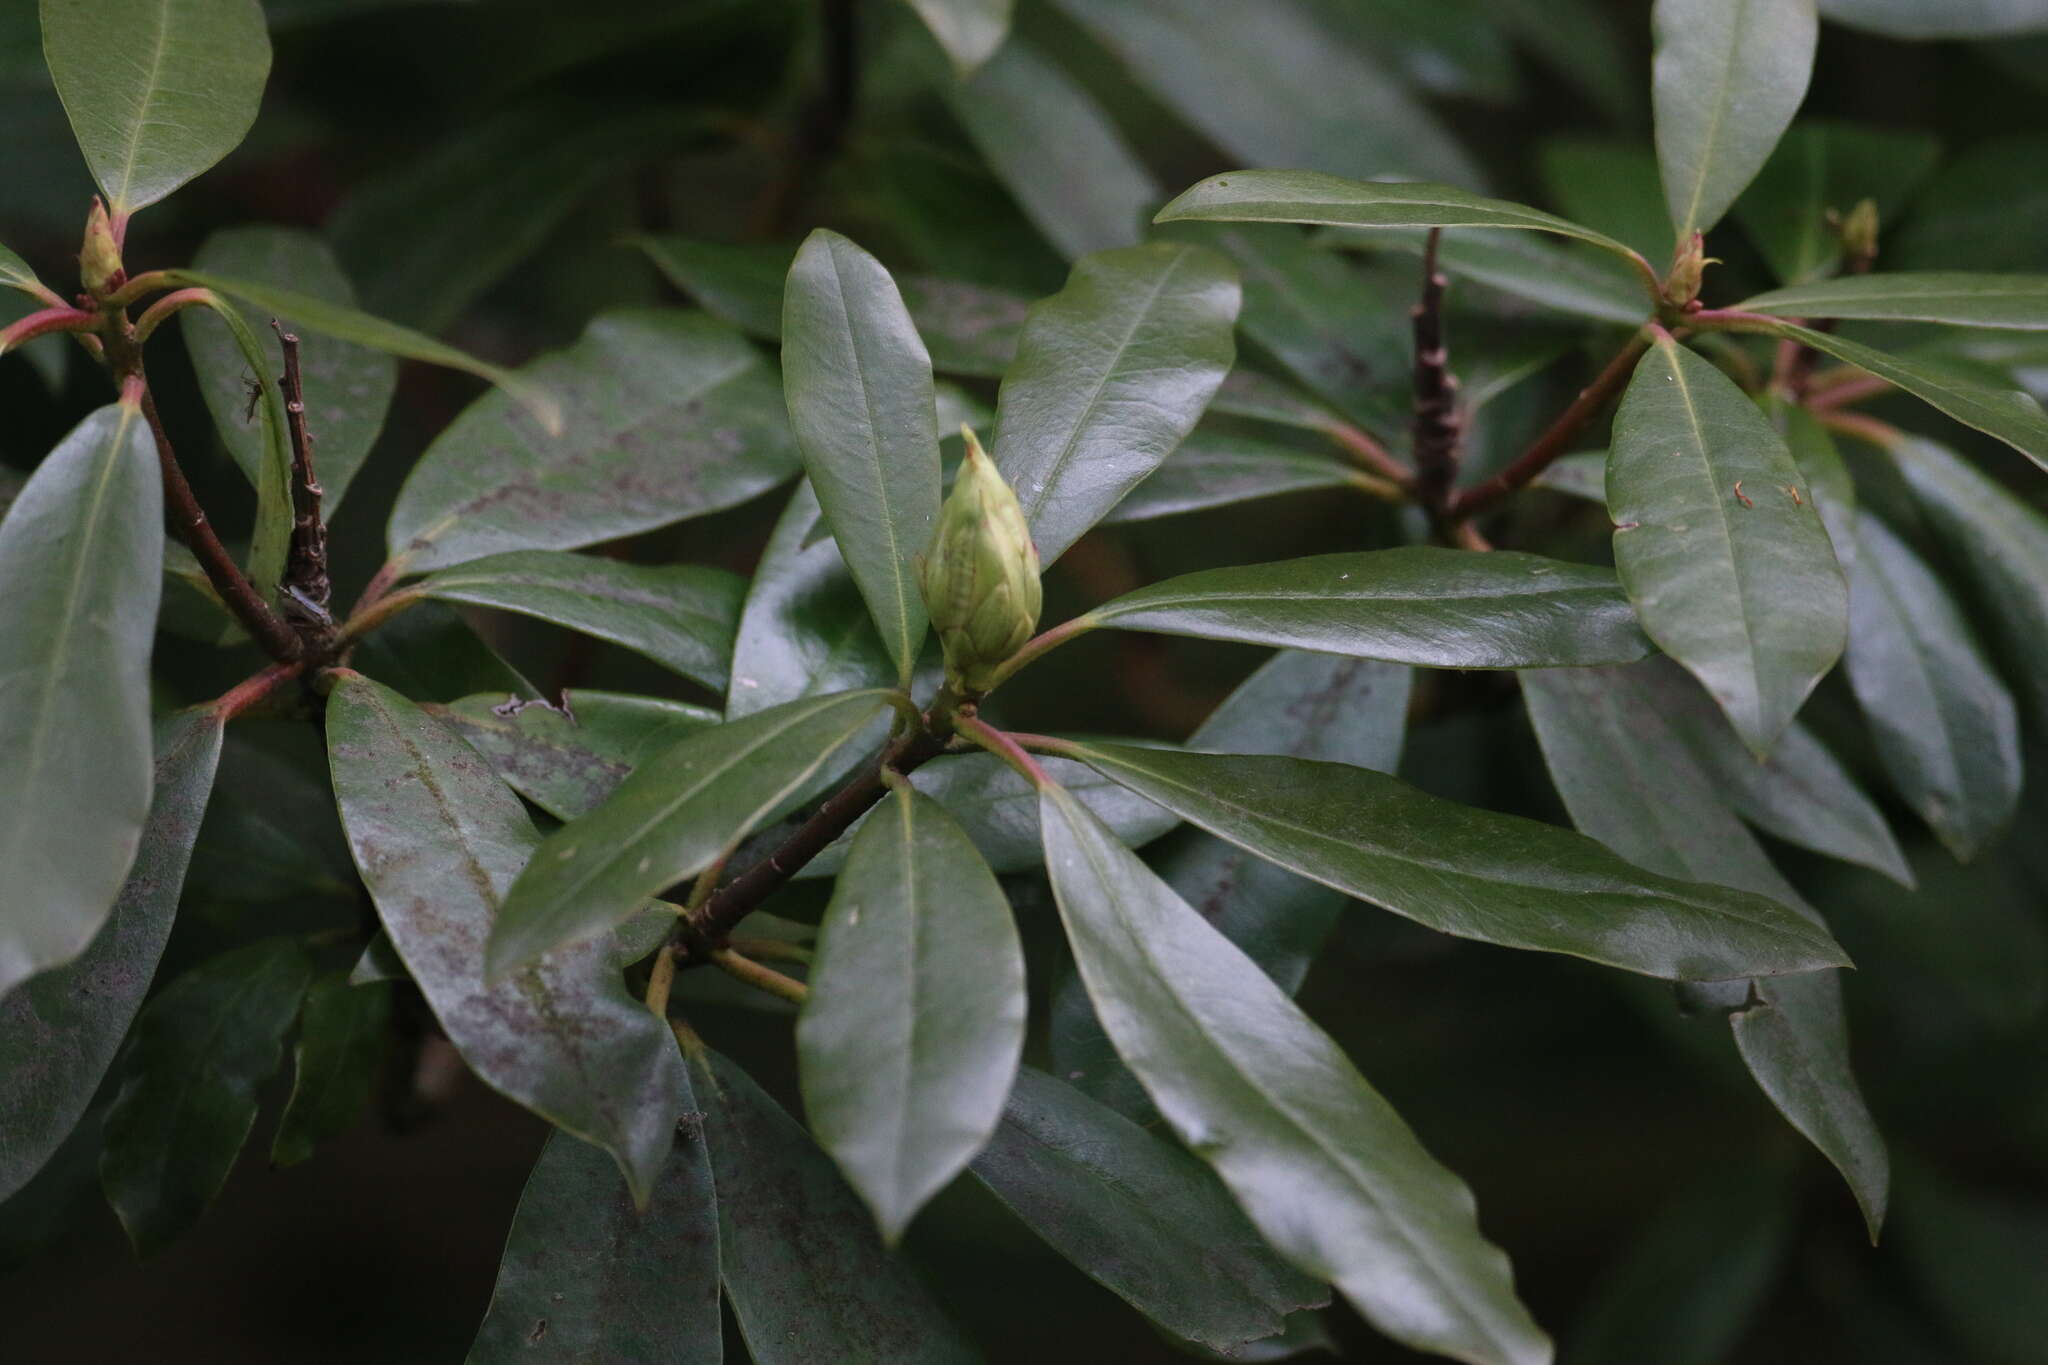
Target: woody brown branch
{"points": [[1436, 428], [305, 574]]}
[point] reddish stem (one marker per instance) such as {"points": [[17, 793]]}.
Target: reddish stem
{"points": [[42, 323], [1552, 443]]}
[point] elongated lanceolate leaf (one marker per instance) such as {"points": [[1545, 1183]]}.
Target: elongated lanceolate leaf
{"points": [[1946, 727], [1554, 274], [81, 558], [2014, 302], [1219, 471], [1609, 184], [1139, 1216], [343, 1032], [1720, 544], [671, 415], [1322, 1165], [677, 812], [60, 1029], [910, 1039], [438, 840], [859, 385], [1468, 872], [157, 90], [1727, 79], [680, 615], [579, 1251], [1111, 374], [1631, 781], [188, 1094], [1415, 605], [1822, 165], [1949, 19], [807, 1276], [343, 323], [567, 763]]}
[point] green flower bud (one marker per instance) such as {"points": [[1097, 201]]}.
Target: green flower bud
{"points": [[1688, 267], [99, 259], [980, 579], [1859, 234]]}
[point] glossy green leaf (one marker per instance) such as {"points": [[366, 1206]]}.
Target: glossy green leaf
{"points": [[1727, 78], [438, 841], [157, 90], [1256, 81], [807, 1276], [969, 30], [271, 833], [319, 316], [678, 812], [1959, 298], [1112, 373], [1610, 184], [189, 1080], [909, 1042], [1720, 547], [679, 615], [430, 653], [671, 415], [2001, 545], [2011, 415], [1822, 166], [804, 630], [972, 329], [1210, 470], [1330, 201], [1946, 728], [1631, 781], [1139, 1216], [343, 1033], [1324, 1167], [1801, 793], [1248, 393], [736, 283], [859, 385], [587, 1277], [1469, 872], [81, 555], [1819, 458], [1565, 278], [1055, 149], [348, 387], [1948, 19], [567, 763], [59, 1031], [1415, 605]]}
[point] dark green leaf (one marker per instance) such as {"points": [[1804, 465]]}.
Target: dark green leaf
{"points": [[2002, 546], [1328, 201], [1468, 872], [671, 415], [317, 315], [1948, 19], [1139, 1216], [679, 615], [1416, 605], [1737, 583], [2016, 302], [1608, 183], [1055, 149], [343, 1032], [969, 30], [678, 812], [1631, 781], [972, 329], [157, 90], [348, 387], [809, 1280], [1566, 278], [567, 763], [1979, 210], [859, 385], [1585, 43], [1977, 1257], [739, 284], [1945, 726], [1583, 475], [1257, 82], [1827, 475], [586, 1277], [60, 1029], [1323, 1166], [438, 841], [1247, 393], [1727, 79], [1112, 373], [81, 555], [188, 1093], [270, 832], [1821, 167], [379, 962], [430, 653], [910, 1039], [1212, 470], [804, 631]]}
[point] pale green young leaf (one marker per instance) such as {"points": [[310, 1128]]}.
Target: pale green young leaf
{"points": [[1323, 1166], [1111, 374], [438, 841], [81, 555], [1719, 544], [1727, 78], [909, 1041], [157, 90]]}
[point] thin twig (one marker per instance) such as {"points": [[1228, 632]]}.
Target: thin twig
{"points": [[1370, 455], [305, 573], [759, 977], [1005, 747], [1881, 434], [1854, 389], [252, 690], [1434, 432], [1553, 442]]}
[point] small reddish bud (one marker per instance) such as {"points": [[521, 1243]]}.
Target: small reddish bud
{"points": [[99, 259]]}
